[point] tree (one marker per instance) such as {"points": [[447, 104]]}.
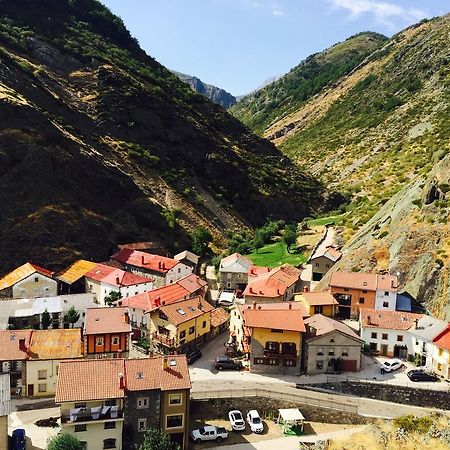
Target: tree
{"points": [[64, 441], [171, 217], [201, 237], [290, 236], [72, 316], [113, 297], [156, 440], [46, 320], [258, 240]]}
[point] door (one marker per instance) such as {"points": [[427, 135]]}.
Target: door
{"points": [[384, 349], [349, 365], [30, 390]]}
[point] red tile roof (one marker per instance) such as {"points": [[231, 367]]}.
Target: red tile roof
{"points": [[154, 263], [186, 310], [280, 319], [115, 277], [192, 283], [98, 379], [389, 320], [364, 281], [106, 320], [442, 340], [218, 317], [56, 344], [9, 344], [258, 270], [273, 283]]}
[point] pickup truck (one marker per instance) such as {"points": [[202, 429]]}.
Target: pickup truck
{"points": [[209, 433]]}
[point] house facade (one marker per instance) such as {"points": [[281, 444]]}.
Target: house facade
{"points": [[331, 346], [71, 279], [440, 362], [321, 302], [189, 259], [160, 268], [322, 261], [233, 271], [107, 333], [387, 332], [28, 281]]}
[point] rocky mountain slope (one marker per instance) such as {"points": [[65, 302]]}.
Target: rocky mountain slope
{"points": [[215, 94], [381, 132], [98, 142]]}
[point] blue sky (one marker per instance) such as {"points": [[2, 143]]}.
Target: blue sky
{"points": [[237, 44]]}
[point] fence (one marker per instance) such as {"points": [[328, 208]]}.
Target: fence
{"points": [[314, 399]]}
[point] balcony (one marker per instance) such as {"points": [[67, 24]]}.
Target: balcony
{"points": [[279, 354], [165, 340], [81, 415]]}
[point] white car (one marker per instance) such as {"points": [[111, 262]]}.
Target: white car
{"points": [[236, 420], [392, 364], [255, 422]]}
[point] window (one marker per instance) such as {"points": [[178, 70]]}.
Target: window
{"points": [[179, 269], [399, 338], [272, 347], [204, 324], [331, 352], [319, 365], [109, 443], [42, 387], [79, 428], [346, 289], [385, 304], [273, 362], [42, 374], [317, 264], [115, 340], [110, 425], [327, 266], [99, 341], [318, 309], [183, 334], [373, 347], [320, 352], [289, 362], [142, 424], [441, 352], [191, 330], [83, 445], [142, 402], [289, 348], [373, 335], [384, 336], [439, 367], [175, 399], [386, 293], [174, 421], [162, 316], [36, 279], [345, 352], [364, 291], [258, 361], [274, 330], [362, 300], [228, 285]]}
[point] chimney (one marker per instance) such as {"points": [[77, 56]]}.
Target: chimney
{"points": [[200, 306], [126, 317], [368, 319], [160, 265], [290, 305], [158, 301], [142, 260], [416, 324], [254, 305], [121, 381], [117, 280], [22, 345], [305, 289], [278, 292], [251, 290], [165, 362]]}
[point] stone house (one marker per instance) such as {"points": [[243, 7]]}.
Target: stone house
{"points": [[189, 259], [233, 271], [322, 261]]}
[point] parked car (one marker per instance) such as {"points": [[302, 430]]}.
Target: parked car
{"points": [[392, 364], [209, 433], [194, 355], [255, 422], [18, 441], [421, 375], [236, 420], [225, 362]]}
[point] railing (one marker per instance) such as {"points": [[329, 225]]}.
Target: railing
{"points": [[169, 342], [87, 415], [329, 401], [280, 354]]}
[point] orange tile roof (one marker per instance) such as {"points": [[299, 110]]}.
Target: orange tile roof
{"points": [[254, 271], [9, 344], [98, 379], [106, 320], [273, 283], [192, 283], [154, 263], [185, 310], [218, 317], [21, 273], [389, 320], [364, 281], [442, 340], [277, 306], [115, 277], [75, 271], [318, 298], [56, 344], [281, 319]]}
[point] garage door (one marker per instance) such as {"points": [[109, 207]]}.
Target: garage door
{"points": [[350, 365]]}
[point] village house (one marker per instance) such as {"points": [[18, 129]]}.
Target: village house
{"points": [[46, 350], [102, 280], [135, 394], [322, 261], [277, 285], [189, 259], [5, 409], [220, 322], [440, 363], [270, 335], [320, 302], [387, 332], [71, 279], [358, 290], [28, 281], [331, 346], [160, 268], [139, 306], [107, 333], [422, 332], [181, 326], [233, 272]]}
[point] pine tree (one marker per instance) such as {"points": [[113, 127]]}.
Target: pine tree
{"points": [[72, 316], [46, 320]]}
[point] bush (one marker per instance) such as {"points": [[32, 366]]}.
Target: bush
{"points": [[412, 424], [64, 441]]}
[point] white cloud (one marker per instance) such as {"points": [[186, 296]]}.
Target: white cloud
{"points": [[383, 11], [277, 12]]}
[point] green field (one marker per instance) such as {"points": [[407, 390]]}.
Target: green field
{"points": [[273, 255], [330, 220]]}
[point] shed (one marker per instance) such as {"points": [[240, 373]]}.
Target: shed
{"points": [[289, 418]]}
